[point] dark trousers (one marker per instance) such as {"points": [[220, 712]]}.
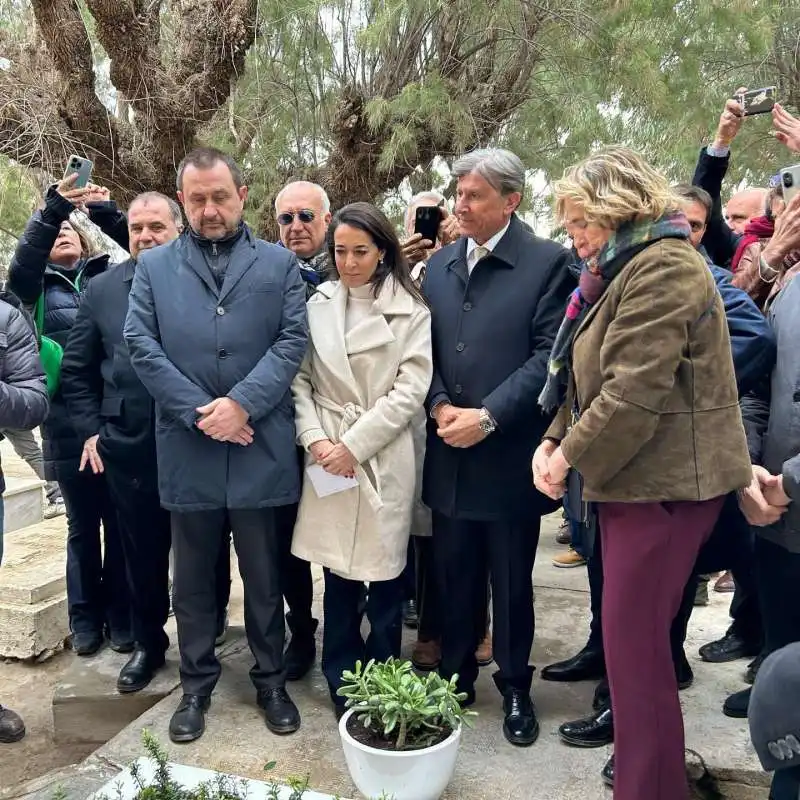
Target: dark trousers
{"points": [[462, 551], [297, 583], [786, 784], [97, 587], [342, 643], [146, 539], [196, 538], [649, 551]]}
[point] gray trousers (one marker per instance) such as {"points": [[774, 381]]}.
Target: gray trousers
{"points": [[27, 448], [196, 540]]}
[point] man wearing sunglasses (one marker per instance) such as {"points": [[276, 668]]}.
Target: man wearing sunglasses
{"points": [[303, 212]]}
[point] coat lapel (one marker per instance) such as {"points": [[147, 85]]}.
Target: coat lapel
{"points": [[196, 263], [243, 257], [326, 328]]}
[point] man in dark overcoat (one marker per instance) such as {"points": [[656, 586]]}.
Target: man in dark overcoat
{"points": [[497, 297]]}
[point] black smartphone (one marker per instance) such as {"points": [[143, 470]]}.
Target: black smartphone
{"points": [[757, 101], [426, 222]]}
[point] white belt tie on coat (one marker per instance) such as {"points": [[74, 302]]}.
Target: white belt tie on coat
{"points": [[350, 412]]}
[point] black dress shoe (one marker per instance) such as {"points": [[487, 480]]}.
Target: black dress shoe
{"points": [[588, 665], [139, 671], [189, 720], [729, 648], [752, 669], [301, 653], [280, 712], [737, 704], [12, 728], [87, 644], [121, 643], [520, 725], [594, 731], [410, 615], [607, 773]]}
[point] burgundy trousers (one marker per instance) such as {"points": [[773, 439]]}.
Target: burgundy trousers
{"points": [[649, 550]]}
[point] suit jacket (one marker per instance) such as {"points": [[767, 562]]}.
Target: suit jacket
{"points": [[103, 392], [191, 342], [492, 335]]}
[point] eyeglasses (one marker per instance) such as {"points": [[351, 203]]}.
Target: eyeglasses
{"points": [[287, 218]]}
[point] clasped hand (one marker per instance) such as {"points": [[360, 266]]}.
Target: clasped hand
{"points": [[334, 458], [550, 470], [764, 501], [224, 420], [459, 427]]}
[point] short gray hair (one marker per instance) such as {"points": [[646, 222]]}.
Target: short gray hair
{"points": [[435, 198], [326, 203], [174, 208], [501, 169]]}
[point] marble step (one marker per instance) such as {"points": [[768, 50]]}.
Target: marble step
{"points": [[23, 502], [33, 598]]}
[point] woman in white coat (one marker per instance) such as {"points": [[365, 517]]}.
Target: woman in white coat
{"points": [[364, 378]]}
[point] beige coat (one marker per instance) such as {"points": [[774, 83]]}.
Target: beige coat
{"points": [[363, 389]]}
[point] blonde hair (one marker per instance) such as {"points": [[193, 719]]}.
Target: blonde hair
{"points": [[613, 186]]}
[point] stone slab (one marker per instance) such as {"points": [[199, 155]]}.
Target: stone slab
{"points": [[23, 502], [75, 782], [31, 630], [87, 706], [237, 741]]}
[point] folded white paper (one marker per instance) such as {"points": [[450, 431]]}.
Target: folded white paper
{"points": [[326, 484]]}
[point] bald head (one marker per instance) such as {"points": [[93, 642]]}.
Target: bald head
{"points": [[306, 236], [743, 206]]}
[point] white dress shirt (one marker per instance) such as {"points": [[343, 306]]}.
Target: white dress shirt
{"points": [[475, 251]]}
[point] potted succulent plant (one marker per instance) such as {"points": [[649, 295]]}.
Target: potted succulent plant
{"points": [[401, 731]]}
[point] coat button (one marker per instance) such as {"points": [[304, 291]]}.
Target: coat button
{"points": [[220, 311], [796, 397], [459, 388], [467, 306], [223, 353], [460, 347]]}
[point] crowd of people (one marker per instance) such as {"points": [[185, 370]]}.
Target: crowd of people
{"points": [[403, 411]]}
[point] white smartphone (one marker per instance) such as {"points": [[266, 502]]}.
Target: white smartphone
{"points": [[80, 165], [790, 181]]}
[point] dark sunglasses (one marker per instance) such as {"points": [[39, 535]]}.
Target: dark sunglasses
{"points": [[287, 218]]}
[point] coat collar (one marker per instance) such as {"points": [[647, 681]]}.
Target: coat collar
{"points": [[327, 311], [128, 268]]}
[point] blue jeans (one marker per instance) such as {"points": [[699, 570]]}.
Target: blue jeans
{"points": [[576, 532]]}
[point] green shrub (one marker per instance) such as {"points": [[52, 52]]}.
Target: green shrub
{"points": [[394, 702]]}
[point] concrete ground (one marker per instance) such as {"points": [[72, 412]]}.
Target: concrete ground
{"points": [[237, 741]]}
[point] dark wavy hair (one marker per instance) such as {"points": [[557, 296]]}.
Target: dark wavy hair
{"points": [[375, 224]]}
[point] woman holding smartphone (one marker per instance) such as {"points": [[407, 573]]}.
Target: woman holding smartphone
{"points": [[364, 378]]}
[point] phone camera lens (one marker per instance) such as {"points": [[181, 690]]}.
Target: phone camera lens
{"points": [[788, 179]]}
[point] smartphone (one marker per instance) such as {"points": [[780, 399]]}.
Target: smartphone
{"points": [[426, 222], [80, 165], [790, 181], [757, 101]]}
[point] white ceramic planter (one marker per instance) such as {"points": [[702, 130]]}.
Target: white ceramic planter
{"points": [[403, 775], [123, 787]]}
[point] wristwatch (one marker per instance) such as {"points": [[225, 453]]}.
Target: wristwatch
{"points": [[486, 421]]}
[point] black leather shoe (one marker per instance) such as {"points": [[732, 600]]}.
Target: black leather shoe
{"points": [[737, 704], [594, 731], [752, 669], [87, 644], [410, 615], [139, 671], [588, 665], [607, 773], [280, 712], [12, 728], [301, 653], [729, 648], [121, 643], [684, 674], [189, 720], [520, 725]]}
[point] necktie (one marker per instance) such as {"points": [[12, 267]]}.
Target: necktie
{"points": [[478, 253]]}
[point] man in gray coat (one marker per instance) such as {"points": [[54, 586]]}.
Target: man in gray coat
{"points": [[216, 330], [23, 406]]}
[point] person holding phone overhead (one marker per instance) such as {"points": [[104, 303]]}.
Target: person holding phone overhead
{"points": [[361, 383], [51, 267]]}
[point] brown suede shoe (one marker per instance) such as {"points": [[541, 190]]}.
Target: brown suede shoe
{"points": [[12, 728], [426, 656], [483, 655]]}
